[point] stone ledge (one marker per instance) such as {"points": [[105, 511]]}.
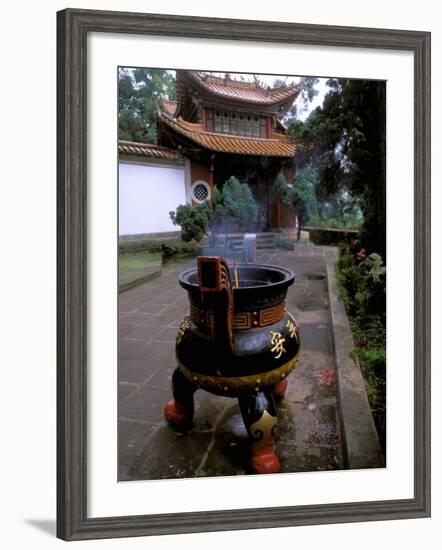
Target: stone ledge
{"points": [[331, 236], [359, 436]]}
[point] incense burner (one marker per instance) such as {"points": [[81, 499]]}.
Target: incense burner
{"points": [[238, 341]]}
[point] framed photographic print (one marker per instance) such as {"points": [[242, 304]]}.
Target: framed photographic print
{"points": [[243, 274]]}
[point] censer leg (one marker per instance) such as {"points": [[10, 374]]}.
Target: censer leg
{"points": [[179, 411], [279, 390], [259, 414]]}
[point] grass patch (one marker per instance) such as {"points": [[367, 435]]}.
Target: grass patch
{"points": [[133, 269], [139, 261]]}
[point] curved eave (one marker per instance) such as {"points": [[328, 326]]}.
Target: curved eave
{"points": [[227, 143], [247, 95]]}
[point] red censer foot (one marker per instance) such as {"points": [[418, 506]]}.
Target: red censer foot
{"points": [[178, 414], [279, 390], [264, 460]]}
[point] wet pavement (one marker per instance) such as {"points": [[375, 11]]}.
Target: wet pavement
{"points": [[308, 437]]}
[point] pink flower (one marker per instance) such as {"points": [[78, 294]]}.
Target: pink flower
{"points": [[361, 255]]}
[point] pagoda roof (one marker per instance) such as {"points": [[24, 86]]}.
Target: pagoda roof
{"points": [[147, 150], [253, 92], [278, 146]]}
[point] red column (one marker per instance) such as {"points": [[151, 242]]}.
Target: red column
{"points": [[211, 178]]}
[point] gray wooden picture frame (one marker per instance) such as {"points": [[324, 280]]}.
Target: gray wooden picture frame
{"points": [[73, 27]]}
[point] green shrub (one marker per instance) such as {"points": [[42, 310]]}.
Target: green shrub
{"points": [[193, 219], [232, 205], [336, 223], [361, 282], [373, 366], [283, 244], [302, 189], [374, 360], [168, 248]]}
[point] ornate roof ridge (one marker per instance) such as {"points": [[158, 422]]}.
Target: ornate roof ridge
{"points": [[246, 91], [207, 77]]}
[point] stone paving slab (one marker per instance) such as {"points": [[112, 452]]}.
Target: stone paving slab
{"points": [[309, 436]]}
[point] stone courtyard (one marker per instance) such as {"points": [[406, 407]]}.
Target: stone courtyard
{"points": [[309, 436]]}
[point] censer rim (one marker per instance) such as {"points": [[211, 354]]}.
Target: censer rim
{"points": [[288, 280]]}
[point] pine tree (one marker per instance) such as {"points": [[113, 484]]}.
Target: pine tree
{"points": [[139, 91]]}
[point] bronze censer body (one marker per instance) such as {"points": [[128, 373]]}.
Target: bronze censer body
{"points": [[239, 341]]}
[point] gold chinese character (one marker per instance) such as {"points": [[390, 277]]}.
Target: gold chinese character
{"points": [[184, 325], [278, 344], [293, 327], [295, 322]]}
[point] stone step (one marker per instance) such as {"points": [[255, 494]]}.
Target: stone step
{"points": [[259, 245], [264, 241]]}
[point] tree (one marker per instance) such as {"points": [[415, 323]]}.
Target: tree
{"points": [[302, 189], [346, 142], [139, 91], [233, 204], [306, 96], [194, 220]]}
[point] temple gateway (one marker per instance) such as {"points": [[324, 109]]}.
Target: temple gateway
{"points": [[219, 127]]}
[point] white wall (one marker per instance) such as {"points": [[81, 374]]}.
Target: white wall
{"points": [[147, 193], [27, 407]]}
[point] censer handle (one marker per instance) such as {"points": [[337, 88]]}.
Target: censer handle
{"points": [[214, 279]]}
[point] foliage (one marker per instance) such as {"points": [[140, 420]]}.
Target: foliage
{"points": [[168, 248], [375, 267], [139, 91], [308, 93], [305, 182], [361, 281], [373, 365], [335, 223], [345, 140], [284, 244], [369, 330], [193, 219], [233, 205], [285, 192], [303, 189]]}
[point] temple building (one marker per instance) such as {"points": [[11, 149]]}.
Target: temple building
{"points": [[219, 127]]}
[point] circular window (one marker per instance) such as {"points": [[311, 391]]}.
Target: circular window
{"points": [[200, 191]]}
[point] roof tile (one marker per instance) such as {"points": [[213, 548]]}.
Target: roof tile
{"points": [[147, 150], [227, 143], [250, 92]]}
